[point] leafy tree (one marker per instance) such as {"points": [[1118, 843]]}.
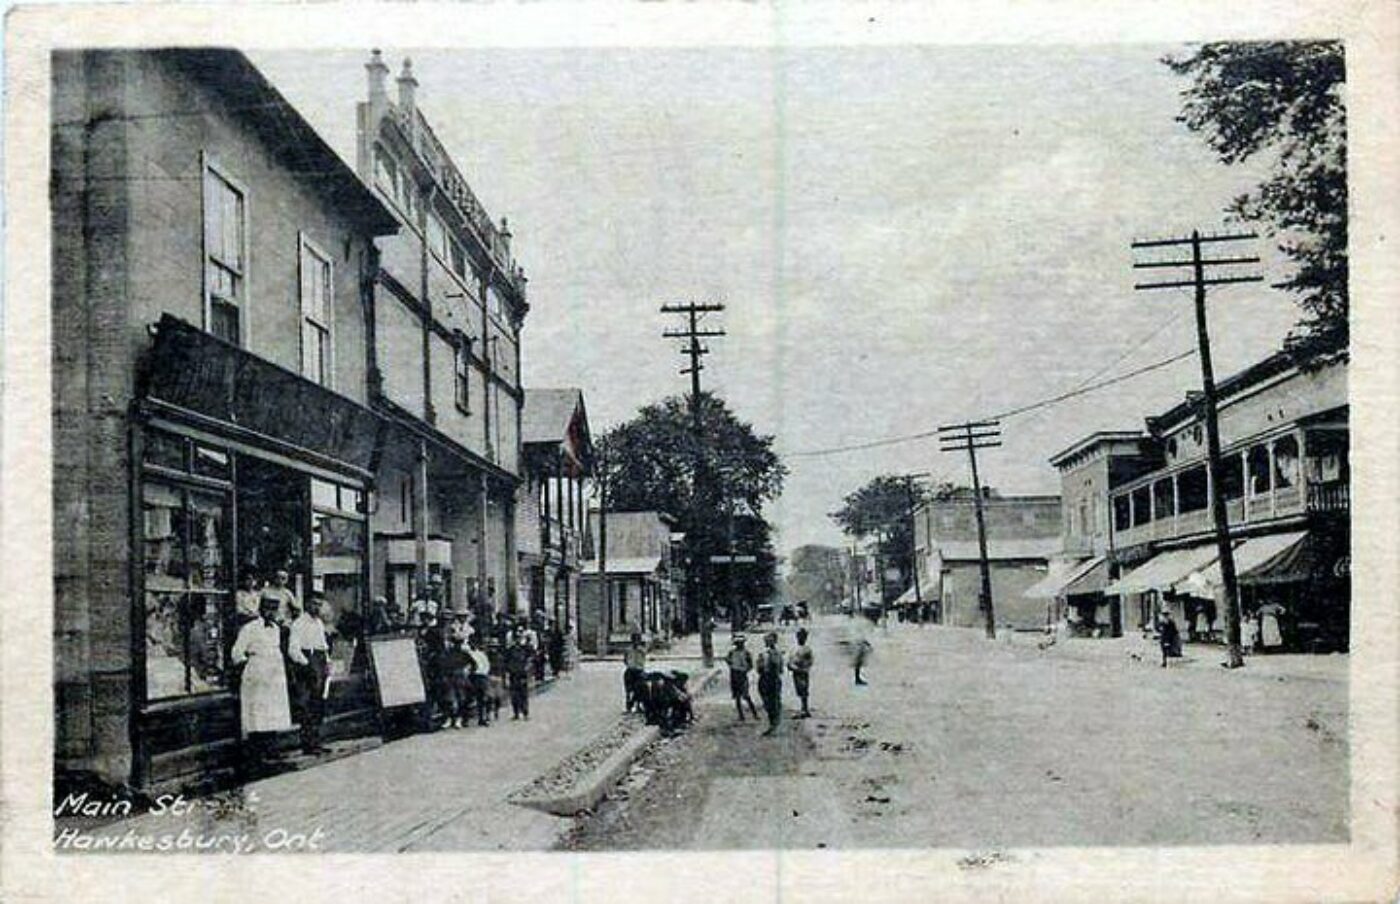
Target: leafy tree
{"points": [[1283, 101], [648, 463], [883, 507]]}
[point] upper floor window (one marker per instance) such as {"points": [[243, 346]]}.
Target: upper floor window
{"points": [[1191, 490], [1286, 462], [1260, 476], [461, 366], [459, 261], [437, 236], [225, 256], [317, 306]]}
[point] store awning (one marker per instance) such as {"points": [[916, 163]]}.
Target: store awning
{"points": [[1092, 578], [1063, 572], [1249, 556], [1163, 570], [1312, 557]]}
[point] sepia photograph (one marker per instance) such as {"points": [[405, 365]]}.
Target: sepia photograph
{"points": [[791, 447]]}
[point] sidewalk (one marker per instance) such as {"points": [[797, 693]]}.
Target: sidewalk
{"points": [[440, 791]]}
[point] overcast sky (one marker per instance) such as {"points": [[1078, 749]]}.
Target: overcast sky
{"points": [[904, 237]]}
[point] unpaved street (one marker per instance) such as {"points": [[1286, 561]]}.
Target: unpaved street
{"points": [[961, 742]]}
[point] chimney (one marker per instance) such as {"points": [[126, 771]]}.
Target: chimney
{"points": [[505, 238], [378, 77], [407, 86]]}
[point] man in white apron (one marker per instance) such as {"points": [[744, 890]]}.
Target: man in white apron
{"points": [[262, 694]]}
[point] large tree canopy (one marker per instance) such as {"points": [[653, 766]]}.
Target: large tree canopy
{"points": [[1284, 99], [648, 463]]}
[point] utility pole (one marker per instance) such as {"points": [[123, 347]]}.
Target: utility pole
{"points": [[694, 350], [1198, 281], [914, 535], [970, 437]]}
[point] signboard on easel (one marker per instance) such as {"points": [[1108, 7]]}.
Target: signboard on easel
{"points": [[396, 671]]}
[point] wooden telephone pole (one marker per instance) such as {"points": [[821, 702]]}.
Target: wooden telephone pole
{"points": [[694, 350], [970, 437], [1198, 281], [914, 534]]}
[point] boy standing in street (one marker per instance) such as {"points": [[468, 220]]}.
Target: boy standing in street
{"points": [[801, 666], [770, 680], [740, 664], [519, 664]]}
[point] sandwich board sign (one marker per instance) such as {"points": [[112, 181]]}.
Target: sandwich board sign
{"points": [[396, 671]]}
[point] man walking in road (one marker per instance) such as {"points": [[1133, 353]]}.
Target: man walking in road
{"points": [[770, 680], [801, 666], [740, 664]]}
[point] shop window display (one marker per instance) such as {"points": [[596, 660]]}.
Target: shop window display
{"points": [[187, 588]]}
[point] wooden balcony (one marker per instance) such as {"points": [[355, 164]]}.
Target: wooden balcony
{"points": [[1283, 502]]}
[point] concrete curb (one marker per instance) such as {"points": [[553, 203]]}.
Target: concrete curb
{"points": [[586, 793]]}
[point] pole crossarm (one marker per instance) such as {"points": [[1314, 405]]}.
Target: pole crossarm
{"points": [[1191, 283], [687, 334], [1187, 240], [1208, 262]]}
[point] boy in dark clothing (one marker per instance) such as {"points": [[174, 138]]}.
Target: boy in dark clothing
{"points": [[519, 663], [456, 668]]}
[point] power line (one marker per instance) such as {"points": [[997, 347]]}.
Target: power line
{"points": [[925, 434]]}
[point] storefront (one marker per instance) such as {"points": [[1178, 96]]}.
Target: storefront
{"points": [[229, 490]]}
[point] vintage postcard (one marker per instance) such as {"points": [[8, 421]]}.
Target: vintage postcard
{"points": [[737, 452]]}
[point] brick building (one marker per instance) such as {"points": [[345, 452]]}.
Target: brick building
{"points": [[447, 307], [1023, 533], [211, 385]]}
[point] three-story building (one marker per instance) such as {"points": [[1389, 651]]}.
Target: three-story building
{"points": [[446, 309]]}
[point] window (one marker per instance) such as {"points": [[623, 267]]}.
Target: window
{"points": [[225, 253], [1286, 462], [459, 260], [317, 305], [1232, 476], [1260, 478], [337, 563], [1142, 505], [1122, 514], [497, 305], [1162, 501], [1191, 489], [461, 365], [437, 236], [186, 567]]}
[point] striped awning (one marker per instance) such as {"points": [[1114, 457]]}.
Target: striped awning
{"points": [[1163, 570], [1252, 555]]}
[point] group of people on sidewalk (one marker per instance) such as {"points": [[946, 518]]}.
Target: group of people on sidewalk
{"points": [[283, 650], [770, 666], [459, 665]]}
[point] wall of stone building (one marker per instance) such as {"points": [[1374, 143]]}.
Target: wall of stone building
{"points": [[962, 583], [128, 230], [398, 337], [166, 154], [93, 381]]}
